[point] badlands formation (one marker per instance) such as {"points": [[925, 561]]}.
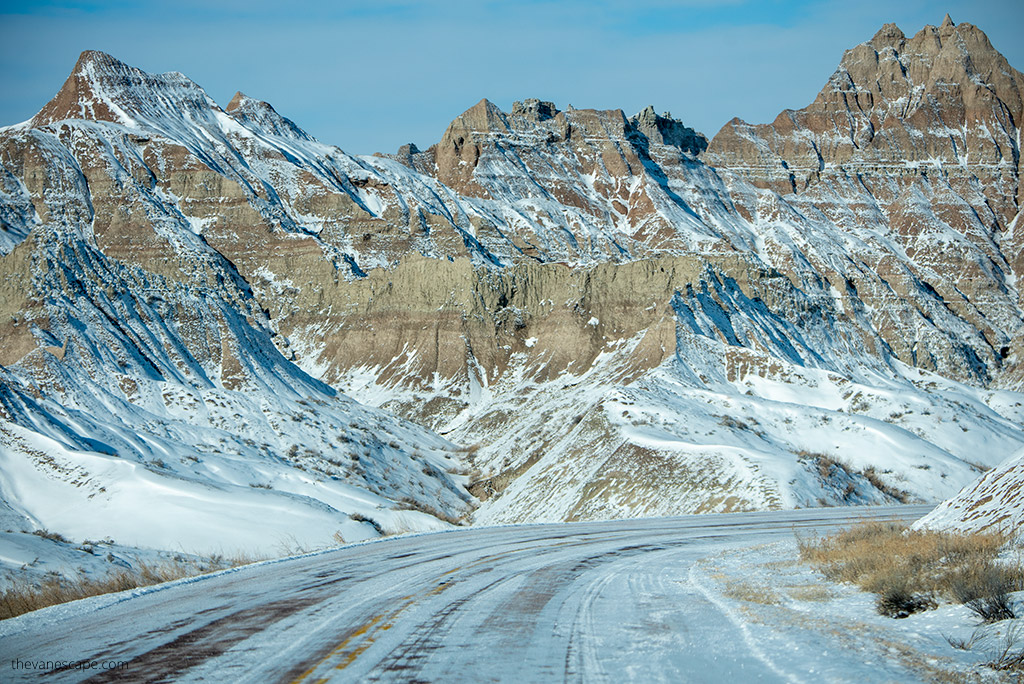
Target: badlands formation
{"points": [[218, 333]]}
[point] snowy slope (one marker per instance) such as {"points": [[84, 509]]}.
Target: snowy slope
{"points": [[993, 502]]}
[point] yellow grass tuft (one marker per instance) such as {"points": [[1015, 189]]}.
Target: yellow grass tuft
{"points": [[909, 569], [24, 596]]}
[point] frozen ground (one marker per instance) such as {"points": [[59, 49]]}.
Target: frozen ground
{"points": [[633, 600]]}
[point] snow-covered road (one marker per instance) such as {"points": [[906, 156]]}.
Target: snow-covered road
{"points": [[607, 601]]}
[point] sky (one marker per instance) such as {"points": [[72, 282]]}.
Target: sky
{"points": [[370, 76]]}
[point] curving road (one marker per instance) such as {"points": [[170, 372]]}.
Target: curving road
{"points": [[607, 601]]}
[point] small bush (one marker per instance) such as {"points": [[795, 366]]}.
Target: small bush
{"points": [[876, 481], [407, 503], [993, 608], [359, 517], [1009, 655], [730, 422], [52, 536], [899, 602], [985, 589]]}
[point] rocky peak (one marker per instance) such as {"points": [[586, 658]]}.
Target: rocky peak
{"points": [[482, 118], [457, 153], [664, 130], [892, 69], [103, 88], [534, 110], [889, 35], [261, 116], [944, 95]]}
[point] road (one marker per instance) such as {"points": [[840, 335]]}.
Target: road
{"points": [[607, 601]]}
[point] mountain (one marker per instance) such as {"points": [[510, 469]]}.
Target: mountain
{"points": [[143, 395], [547, 315]]}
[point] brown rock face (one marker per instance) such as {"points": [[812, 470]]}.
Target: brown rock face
{"points": [[944, 100], [102, 88], [913, 142]]}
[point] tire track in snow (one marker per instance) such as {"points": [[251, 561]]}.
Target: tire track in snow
{"points": [[741, 626]]}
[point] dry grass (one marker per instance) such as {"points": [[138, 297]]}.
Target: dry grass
{"points": [[407, 503], [1008, 656], [830, 468], [909, 569], [359, 517], [751, 593], [878, 483], [809, 592], [24, 596]]}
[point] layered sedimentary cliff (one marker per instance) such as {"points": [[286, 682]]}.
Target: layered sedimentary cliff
{"points": [[611, 315]]}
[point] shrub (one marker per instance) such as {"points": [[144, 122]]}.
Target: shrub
{"points": [[1008, 655], [985, 589], [993, 608], [24, 596], [359, 517], [908, 569], [52, 536], [897, 601], [407, 503], [878, 483]]}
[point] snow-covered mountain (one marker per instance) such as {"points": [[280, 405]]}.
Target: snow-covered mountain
{"points": [[612, 315]]}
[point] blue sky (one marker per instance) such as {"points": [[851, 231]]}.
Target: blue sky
{"points": [[370, 76]]}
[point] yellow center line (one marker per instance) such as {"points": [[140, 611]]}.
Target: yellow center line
{"points": [[368, 629]]}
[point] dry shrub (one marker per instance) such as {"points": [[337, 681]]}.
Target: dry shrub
{"points": [[407, 503], [1008, 654], [907, 569], [359, 517], [24, 596], [878, 483]]}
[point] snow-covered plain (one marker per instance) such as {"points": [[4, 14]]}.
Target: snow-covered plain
{"points": [[637, 600]]}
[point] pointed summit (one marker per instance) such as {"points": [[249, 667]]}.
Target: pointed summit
{"points": [[484, 116], [460, 147], [261, 117], [947, 22], [889, 35], [236, 101], [103, 88], [76, 98]]}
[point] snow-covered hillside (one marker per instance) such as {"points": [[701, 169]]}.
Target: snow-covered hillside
{"points": [[992, 503]]}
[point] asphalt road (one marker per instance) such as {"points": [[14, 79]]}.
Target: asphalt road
{"points": [[607, 601]]}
